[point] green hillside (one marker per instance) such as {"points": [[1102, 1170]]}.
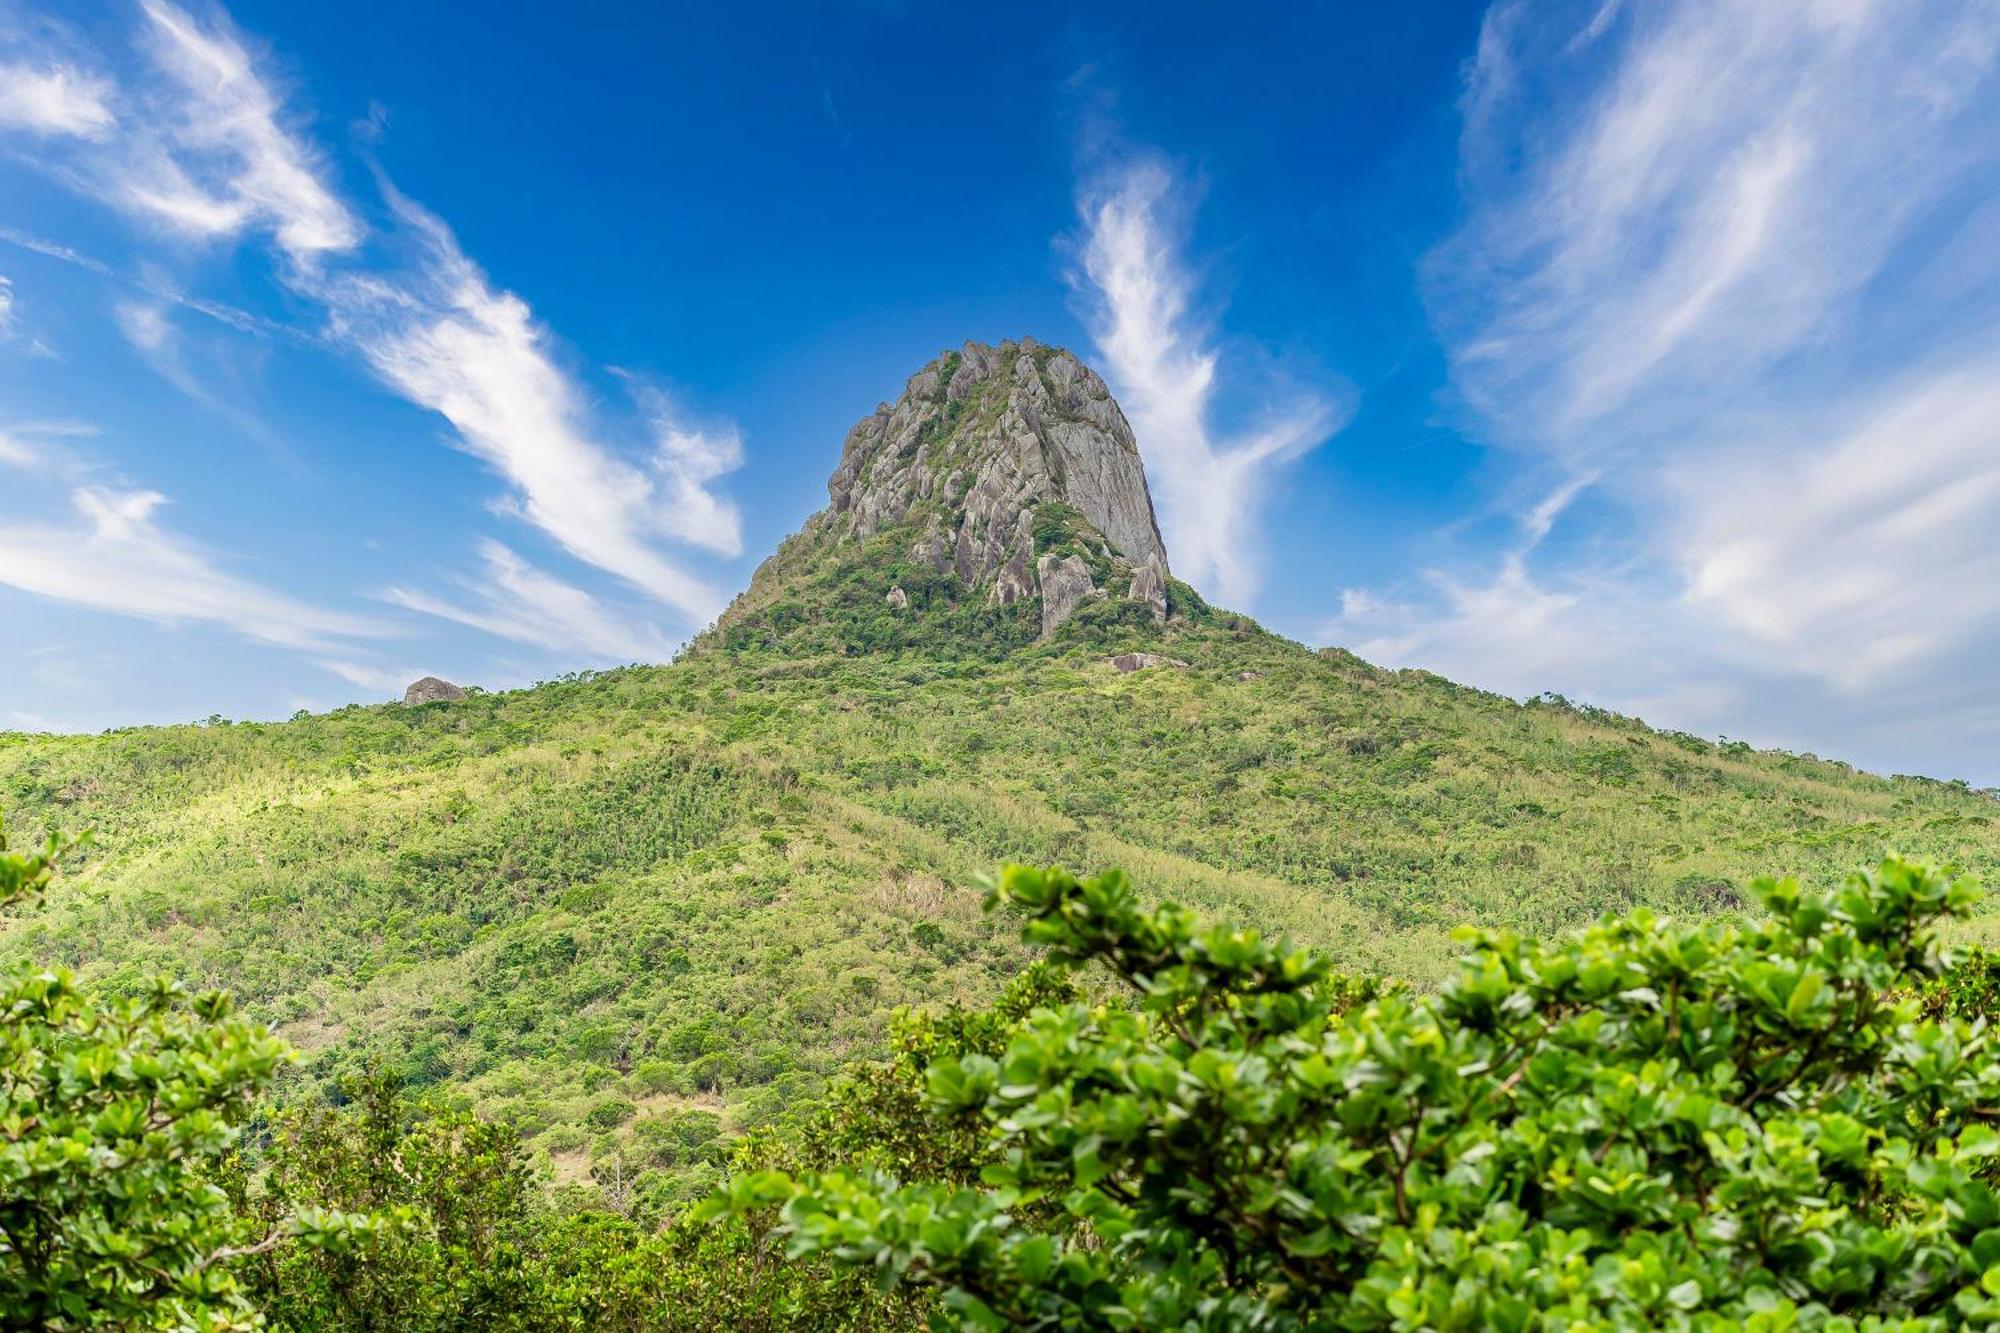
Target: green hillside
{"points": [[631, 913], [607, 902]]}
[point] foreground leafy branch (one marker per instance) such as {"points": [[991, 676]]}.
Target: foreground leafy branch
{"points": [[114, 1117], [1648, 1125]]}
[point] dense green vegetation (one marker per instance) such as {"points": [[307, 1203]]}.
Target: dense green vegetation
{"points": [[544, 971], [1772, 1125], [1644, 1126], [115, 1115], [634, 914]]}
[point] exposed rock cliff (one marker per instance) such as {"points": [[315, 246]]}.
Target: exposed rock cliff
{"points": [[978, 439], [1009, 469]]}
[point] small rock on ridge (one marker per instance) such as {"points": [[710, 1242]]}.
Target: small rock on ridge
{"points": [[432, 690]]}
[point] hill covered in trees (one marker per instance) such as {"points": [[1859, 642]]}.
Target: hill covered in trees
{"points": [[630, 914]]}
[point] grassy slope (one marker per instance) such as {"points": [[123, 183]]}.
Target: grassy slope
{"points": [[602, 901]]}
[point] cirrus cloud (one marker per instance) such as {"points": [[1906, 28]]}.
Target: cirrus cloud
{"points": [[54, 99], [198, 139], [1139, 297], [115, 555], [1710, 268]]}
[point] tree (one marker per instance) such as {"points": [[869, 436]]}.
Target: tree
{"points": [[112, 1112], [457, 1204], [732, 1273], [1647, 1125]]}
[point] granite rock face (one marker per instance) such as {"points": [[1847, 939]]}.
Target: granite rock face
{"points": [[992, 431], [995, 454], [1149, 585], [1009, 468], [431, 690], [1065, 583]]}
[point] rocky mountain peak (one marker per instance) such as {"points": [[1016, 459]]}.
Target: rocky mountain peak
{"points": [[989, 446], [992, 432], [1006, 472]]}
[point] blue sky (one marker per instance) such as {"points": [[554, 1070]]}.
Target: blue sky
{"points": [[1640, 352]]}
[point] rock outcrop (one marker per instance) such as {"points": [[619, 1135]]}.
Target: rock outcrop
{"points": [[1149, 585], [1065, 583], [1009, 469], [432, 690], [1000, 456], [1130, 662]]}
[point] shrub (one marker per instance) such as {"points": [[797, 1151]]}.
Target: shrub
{"points": [[115, 1115], [1646, 1125], [455, 1198], [111, 1115], [611, 1112], [678, 1138]]}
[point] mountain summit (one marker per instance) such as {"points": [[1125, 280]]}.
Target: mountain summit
{"points": [[1003, 491]]}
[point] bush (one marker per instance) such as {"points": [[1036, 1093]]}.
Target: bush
{"points": [[678, 1138], [456, 1199], [112, 1116], [1647, 1125], [115, 1116], [611, 1112]]}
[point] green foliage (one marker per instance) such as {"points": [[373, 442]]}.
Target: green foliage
{"points": [[459, 1206], [465, 1237], [732, 1268], [1056, 526], [835, 600], [1969, 991], [24, 878], [877, 1113], [1646, 1125], [706, 887], [113, 1115], [1112, 625]]}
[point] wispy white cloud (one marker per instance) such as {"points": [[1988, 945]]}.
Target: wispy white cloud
{"points": [[1512, 629], [54, 250], [39, 444], [514, 600], [55, 99], [687, 459], [216, 159], [1856, 544], [1660, 223], [192, 142], [442, 336], [1703, 262], [1208, 484], [144, 326], [151, 281], [368, 676], [11, 332], [209, 149], [117, 557], [149, 327], [438, 332]]}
